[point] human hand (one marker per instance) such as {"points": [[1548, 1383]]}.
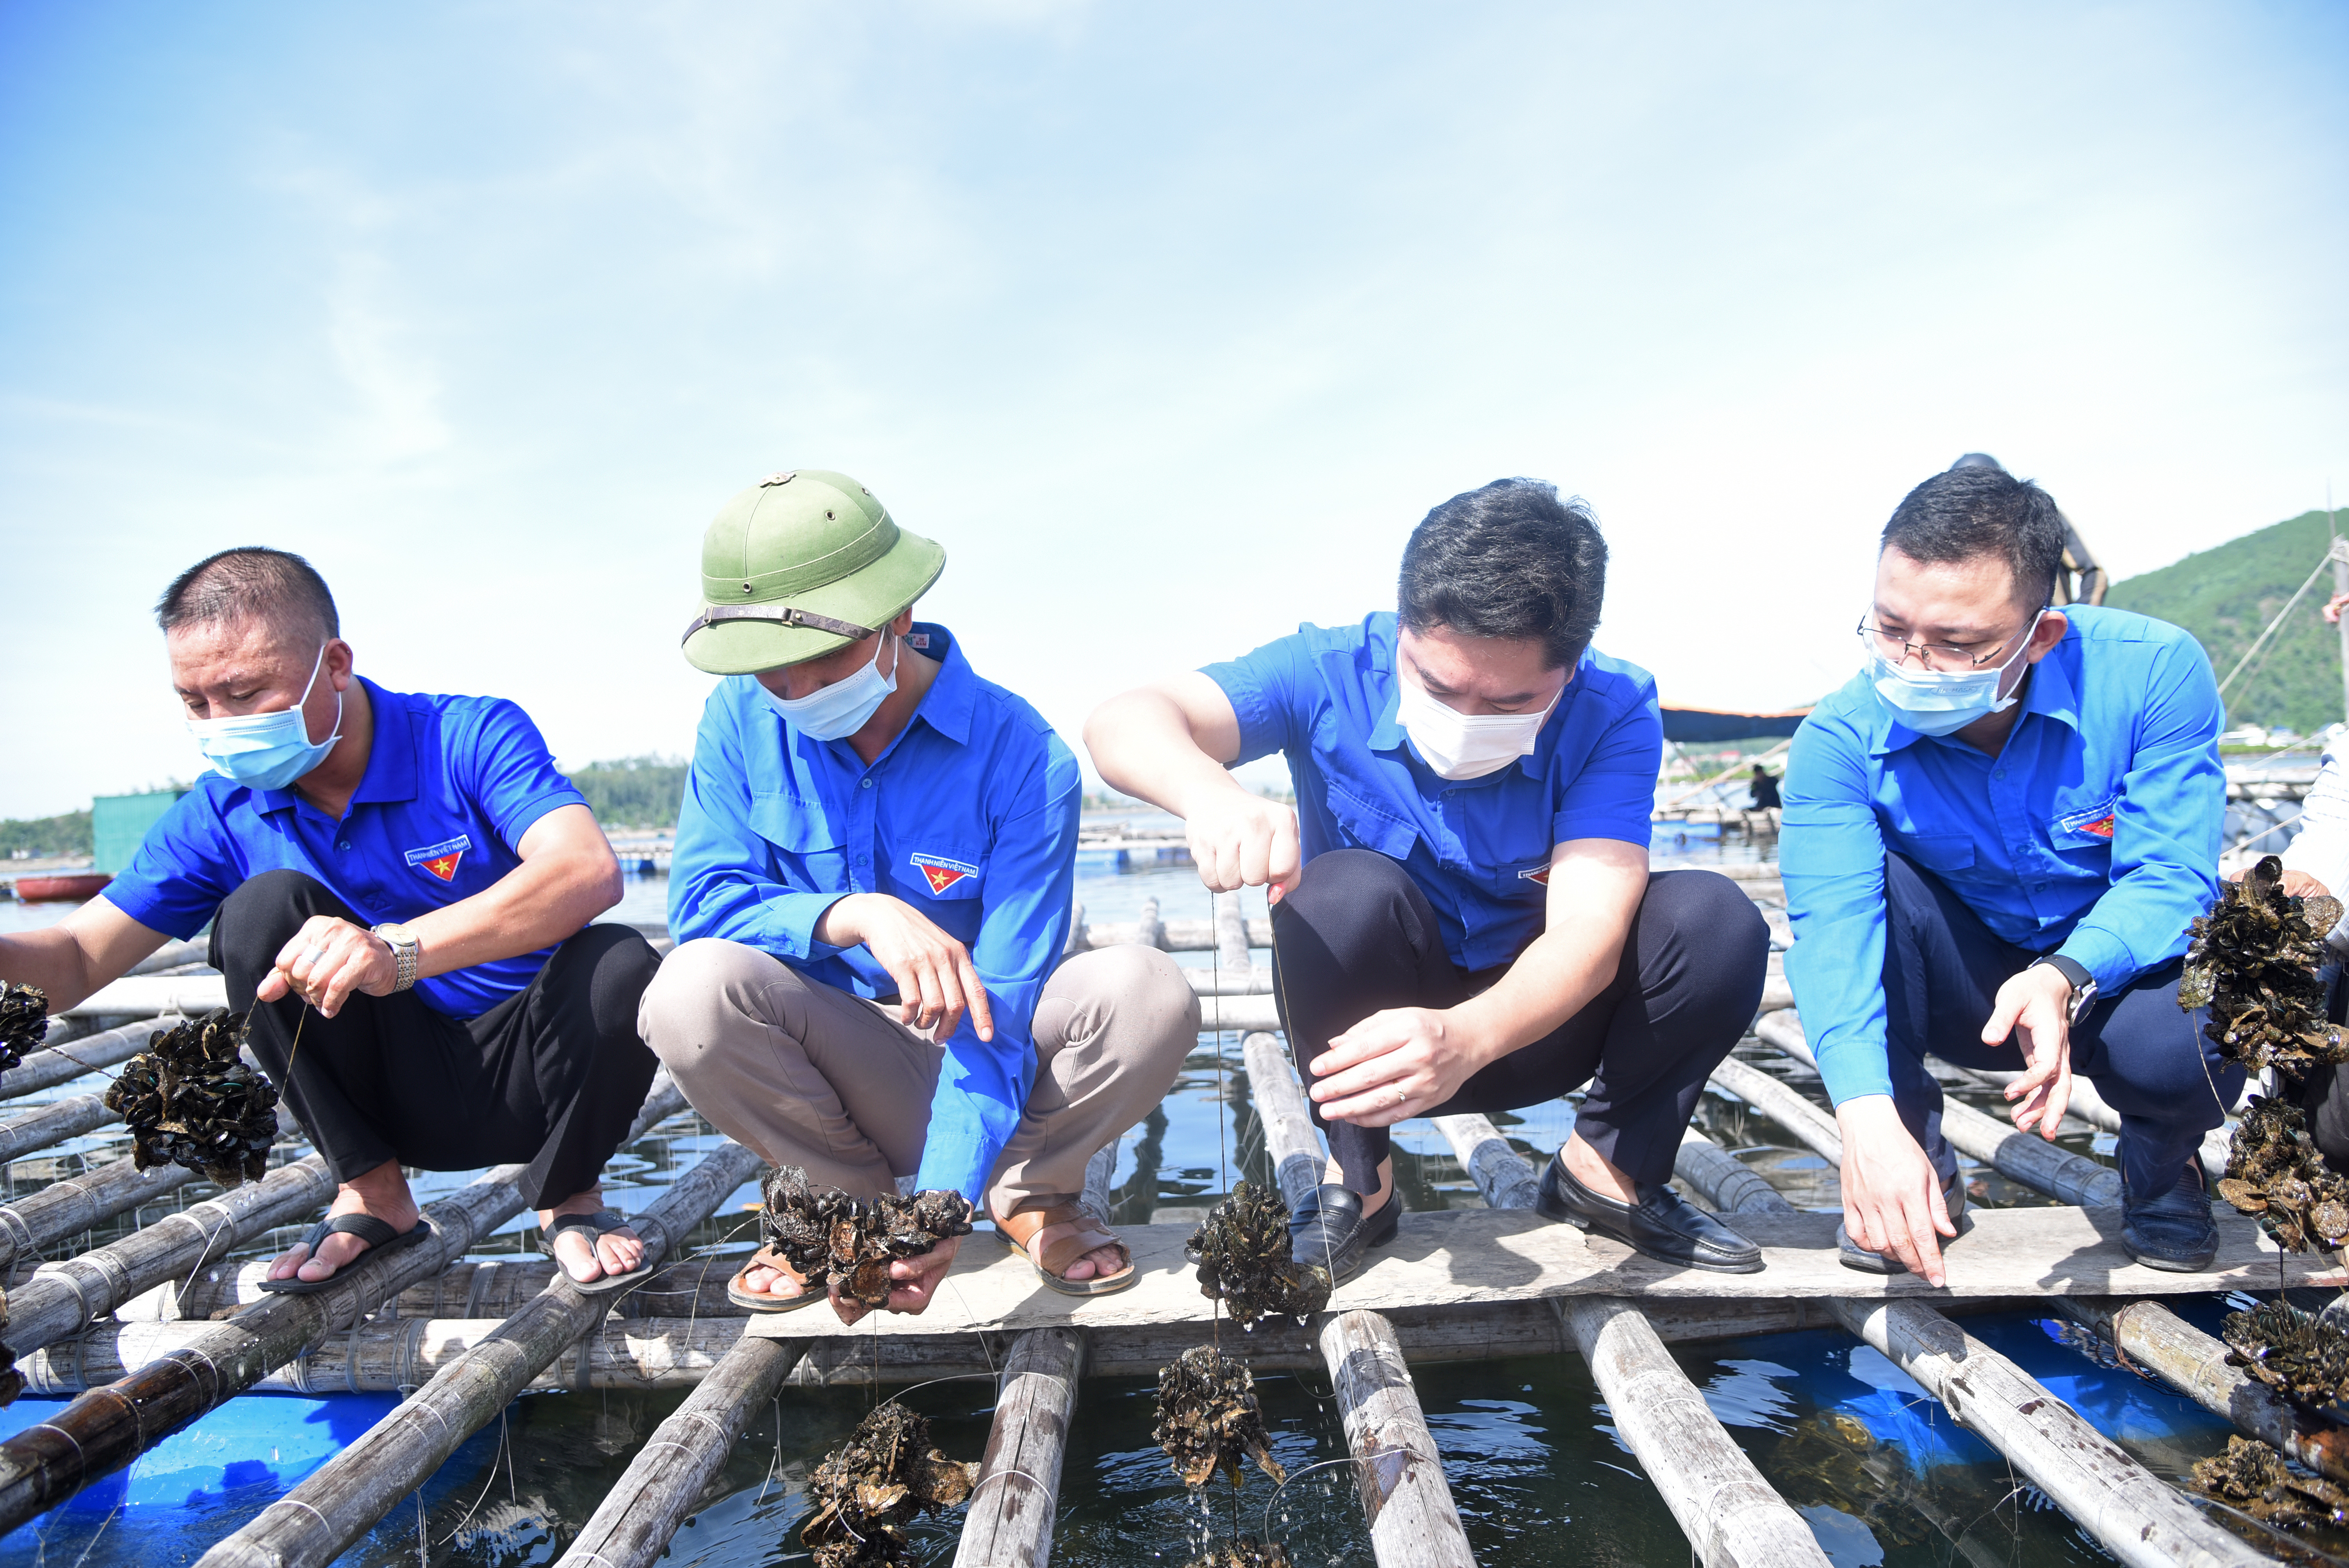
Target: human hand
{"points": [[2333, 608], [2296, 884], [1891, 1193], [327, 960], [913, 1282], [1242, 839], [936, 980], [2036, 1006], [1396, 1064]]}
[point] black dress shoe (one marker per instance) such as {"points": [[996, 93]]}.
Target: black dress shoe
{"points": [[2171, 1230], [1663, 1224], [1330, 1231]]}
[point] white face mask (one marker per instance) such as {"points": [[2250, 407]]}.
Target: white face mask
{"points": [[839, 710], [1464, 745], [1942, 702]]}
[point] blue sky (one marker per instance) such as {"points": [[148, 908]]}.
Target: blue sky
{"points": [[1168, 325]]}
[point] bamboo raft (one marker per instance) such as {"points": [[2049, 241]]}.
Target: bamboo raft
{"points": [[148, 1333]]}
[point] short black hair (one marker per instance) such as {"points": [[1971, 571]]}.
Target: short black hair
{"points": [[250, 583], [1976, 508], [1510, 560]]}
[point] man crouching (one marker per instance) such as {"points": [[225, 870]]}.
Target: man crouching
{"points": [[870, 891], [398, 887]]}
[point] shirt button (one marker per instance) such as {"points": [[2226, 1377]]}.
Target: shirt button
{"points": [[2000, 774], [867, 784], [860, 860], [345, 845]]}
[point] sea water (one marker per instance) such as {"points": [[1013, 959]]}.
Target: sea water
{"points": [[1532, 1461]]}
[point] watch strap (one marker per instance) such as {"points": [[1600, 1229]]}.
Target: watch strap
{"points": [[407, 953], [2075, 974]]}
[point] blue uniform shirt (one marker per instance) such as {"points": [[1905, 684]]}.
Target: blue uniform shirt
{"points": [[970, 816], [451, 785], [1479, 848], [2094, 833]]}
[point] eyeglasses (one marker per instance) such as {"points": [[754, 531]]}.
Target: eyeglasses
{"points": [[1940, 655]]}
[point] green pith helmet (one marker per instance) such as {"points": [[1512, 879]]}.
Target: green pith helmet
{"points": [[798, 564]]}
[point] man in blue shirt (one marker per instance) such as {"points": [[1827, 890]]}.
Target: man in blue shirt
{"points": [[1996, 835], [871, 894], [1465, 917], [398, 886]]}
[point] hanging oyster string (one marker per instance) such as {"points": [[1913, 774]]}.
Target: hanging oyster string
{"points": [[24, 1019], [1243, 1253], [2254, 1476], [868, 1490], [825, 1234], [2254, 962], [190, 1099], [1209, 1418], [2302, 1355]]}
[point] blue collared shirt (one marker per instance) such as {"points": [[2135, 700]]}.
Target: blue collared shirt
{"points": [[1479, 848], [2094, 833], [452, 783], [970, 816]]}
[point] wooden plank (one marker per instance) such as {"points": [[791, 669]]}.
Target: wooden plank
{"points": [[633, 1524], [62, 1297], [479, 1287], [66, 1208], [336, 1504], [1010, 1522], [106, 1428], [64, 1063], [1466, 1256], [1728, 1512]]}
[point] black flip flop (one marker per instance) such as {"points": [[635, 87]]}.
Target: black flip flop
{"points": [[379, 1237], [603, 1221]]}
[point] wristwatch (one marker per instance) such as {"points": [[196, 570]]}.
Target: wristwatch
{"points": [[405, 950], [2084, 985]]}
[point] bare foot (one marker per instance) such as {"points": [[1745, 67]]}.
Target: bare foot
{"points": [[765, 1276], [612, 1253], [381, 1192], [1584, 1164], [1099, 1264], [1373, 1201]]}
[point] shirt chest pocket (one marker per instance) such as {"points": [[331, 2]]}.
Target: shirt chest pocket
{"points": [[1369, 827], [805, 844], [942, 874]]}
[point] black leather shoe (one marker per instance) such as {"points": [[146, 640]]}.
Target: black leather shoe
{"points": [[1332, 1232], [2173, 1231], [1663, 1224], [1852, 1255]]}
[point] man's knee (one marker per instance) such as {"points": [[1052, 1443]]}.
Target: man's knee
{"points": [[1135, 993], [1350, 902], [704, 990], [1708, 918], [614, 965], [261, 916]]}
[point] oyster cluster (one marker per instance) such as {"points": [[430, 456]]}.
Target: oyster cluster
{"points": [[871, 1488], [2253, 962], [24, 1019], [2303, 1356], [1243, 1252], [1209, 1418], [2254, 1477], [1248, 1552], [825, 1234], [2274, 1172], [188, 1099]]}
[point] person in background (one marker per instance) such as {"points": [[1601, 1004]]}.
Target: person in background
{"points": [[1466, 919], [1996, 837], [871, 894], [402, 884], [1765, 790]]}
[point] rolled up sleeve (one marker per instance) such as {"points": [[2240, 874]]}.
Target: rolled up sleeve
{"points": [[2167, 827], [983, 1085], [1831, 853]]}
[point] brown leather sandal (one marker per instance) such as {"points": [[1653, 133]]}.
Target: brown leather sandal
{"points": [[1021, 1229], [767, 1301]]}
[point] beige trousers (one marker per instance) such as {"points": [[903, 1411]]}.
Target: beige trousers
{"points": [[808, 1075]]}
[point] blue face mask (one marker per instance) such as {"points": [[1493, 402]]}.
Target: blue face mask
{"points": [[1941, 702], [839, 710], [267, 750]]}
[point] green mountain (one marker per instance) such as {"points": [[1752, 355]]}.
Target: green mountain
{"points": [[2227, 596], [634, 792]]}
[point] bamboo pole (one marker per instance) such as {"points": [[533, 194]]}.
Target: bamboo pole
{"points": [[1782, 1104], [64, 1063], [638, 1517], [146, 995], [334, 1505], [1412, 1520], [1151, 931], [65, 1297], [1009, 1523], [106, 1428], [1731, 1516], [2136, 1516], [53, 1123], [1174, 935], [75, 1204]]}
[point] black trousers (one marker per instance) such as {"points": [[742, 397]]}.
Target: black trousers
{"points": [[551, 1076], [1357, 936]]}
